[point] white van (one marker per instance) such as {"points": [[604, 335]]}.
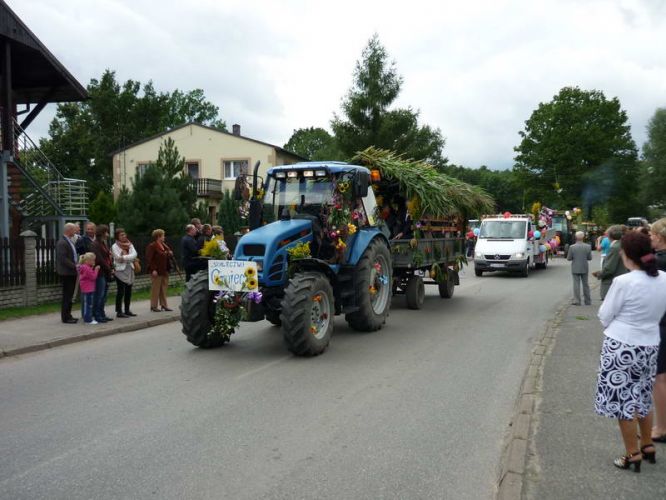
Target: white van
{"points": [[504, 244]]}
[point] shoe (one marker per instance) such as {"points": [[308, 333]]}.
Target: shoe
{"points": [[588, 303], [121, 315], [625, 462], [650, 456], [575, 303], [660, 439], [71, 321], [101, 320], [155, 309], [93, 322], [129, 313], [106, 318], [166, 309]]}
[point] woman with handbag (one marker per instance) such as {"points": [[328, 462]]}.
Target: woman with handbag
{"points": [[124, 259], [158, 261]]}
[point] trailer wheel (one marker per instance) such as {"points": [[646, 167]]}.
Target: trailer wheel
{"points": [[307, 314], [447, 288], [197, 311], [415, 292], [374, 288]]}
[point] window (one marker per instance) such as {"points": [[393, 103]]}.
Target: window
{"points": [[192, 169], [234, 168], [141, 168]]}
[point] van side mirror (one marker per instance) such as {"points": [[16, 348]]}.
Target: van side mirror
{"points": [[361, 184]]}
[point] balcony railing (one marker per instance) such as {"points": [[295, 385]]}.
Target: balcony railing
{"points": [[209, 188]]}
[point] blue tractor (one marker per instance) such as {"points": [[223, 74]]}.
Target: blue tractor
{"points": [[348, 270]]}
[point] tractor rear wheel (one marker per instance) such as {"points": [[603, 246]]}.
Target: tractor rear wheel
{"points": [[373, 288], [307, 314], [197, 311]]}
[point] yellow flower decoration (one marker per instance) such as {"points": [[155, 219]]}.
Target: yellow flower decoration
{"points": [[341, 245], [250, 272], [251, 283], [351, 228], [343, 186]]}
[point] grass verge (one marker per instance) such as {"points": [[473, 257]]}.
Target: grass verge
{"points": [[51, 307]]}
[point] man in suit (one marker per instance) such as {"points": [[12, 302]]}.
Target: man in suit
{"points": [[580, 254], [613, 265], [66, 261]]}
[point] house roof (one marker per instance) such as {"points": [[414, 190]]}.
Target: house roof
{"points": [[37, 76], [152, 137]]}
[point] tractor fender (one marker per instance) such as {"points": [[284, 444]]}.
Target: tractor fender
{"points": [[362, 239]]}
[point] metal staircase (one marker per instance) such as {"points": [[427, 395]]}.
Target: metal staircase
{"points": [[43, 193]]}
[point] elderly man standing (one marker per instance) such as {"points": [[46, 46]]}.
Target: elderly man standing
{"points": [[66, 261], [613, 265], [580, 254], [190, 247]]}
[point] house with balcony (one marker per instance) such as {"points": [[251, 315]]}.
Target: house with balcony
{"points": [[213, 158]]}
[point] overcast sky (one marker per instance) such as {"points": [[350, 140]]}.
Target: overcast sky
{"points": [[475, 69]]}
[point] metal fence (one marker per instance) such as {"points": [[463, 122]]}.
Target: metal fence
{"points": [[12, 268], [12, 255]]}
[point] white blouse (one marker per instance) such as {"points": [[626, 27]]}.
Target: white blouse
{"points": [[633, 307], [120, 260]]}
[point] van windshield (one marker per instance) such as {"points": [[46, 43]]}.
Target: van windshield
{"points": [[503, 229]]}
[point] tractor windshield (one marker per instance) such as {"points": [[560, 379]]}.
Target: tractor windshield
{"points": [[299, 195]]}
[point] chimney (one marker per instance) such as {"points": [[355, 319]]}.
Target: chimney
{"points": [[236, 129]]}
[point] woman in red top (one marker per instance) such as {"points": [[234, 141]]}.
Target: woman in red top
{"points": [[158, 255]]}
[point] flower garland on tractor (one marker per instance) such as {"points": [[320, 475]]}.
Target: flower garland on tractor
{"points": [[229, 309]]}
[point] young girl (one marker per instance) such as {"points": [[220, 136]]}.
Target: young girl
{"points": [[87, 276]]}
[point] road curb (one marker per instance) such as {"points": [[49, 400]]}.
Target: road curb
{"points": [[132, 327], [514, 457]]}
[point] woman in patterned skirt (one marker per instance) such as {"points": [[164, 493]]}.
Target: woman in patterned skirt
{"points": [[630, 315]]}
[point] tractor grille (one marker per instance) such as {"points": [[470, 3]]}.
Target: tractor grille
{"points": [[277, 269], [254, 250]]}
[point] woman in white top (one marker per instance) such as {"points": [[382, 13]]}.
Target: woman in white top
{"points": [[124, 255], [630, 315]]}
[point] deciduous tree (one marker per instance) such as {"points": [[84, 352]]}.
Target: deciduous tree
{"points": [[653, 178], [83, 135], [577, 150], [314, 143]]}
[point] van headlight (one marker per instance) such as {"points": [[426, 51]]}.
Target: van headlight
{"points": [[478, 255], [518, 255]]}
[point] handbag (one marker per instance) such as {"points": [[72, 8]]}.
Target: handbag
{"points": [[136, 265]]}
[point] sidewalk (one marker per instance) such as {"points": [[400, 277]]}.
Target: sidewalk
{"points": [[34, 333], [570, 447]]}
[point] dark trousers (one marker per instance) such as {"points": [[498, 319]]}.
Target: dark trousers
{"points": [[101, 289], [123, 295], [68, 285]]}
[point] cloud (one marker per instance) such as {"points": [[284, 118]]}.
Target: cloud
{"points": [[476, 70]]}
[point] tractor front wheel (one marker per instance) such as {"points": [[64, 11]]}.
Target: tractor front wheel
{"points": [[197, 312]]}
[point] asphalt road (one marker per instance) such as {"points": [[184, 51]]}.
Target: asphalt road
{"points": [[417, 410]]}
